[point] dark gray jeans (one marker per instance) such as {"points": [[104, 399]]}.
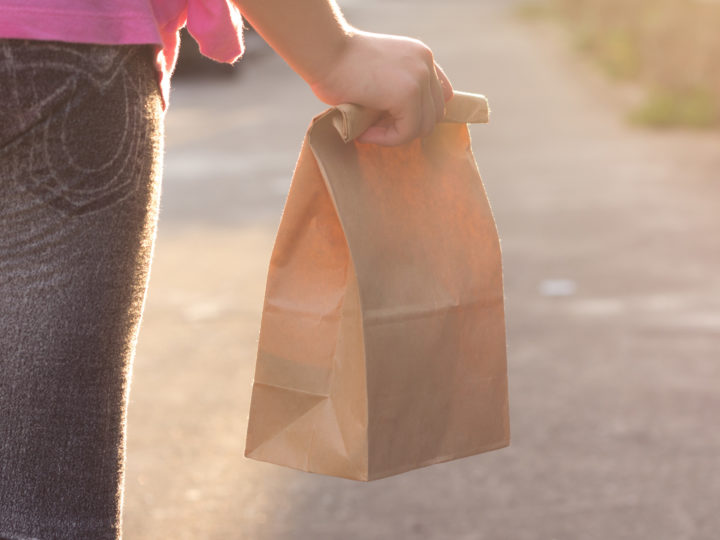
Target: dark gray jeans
{"points": [[80, 154]]}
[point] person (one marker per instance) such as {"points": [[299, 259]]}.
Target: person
{"points": [[84, 85]]}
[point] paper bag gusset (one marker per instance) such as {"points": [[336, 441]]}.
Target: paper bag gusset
{"points": [[382, 341]]}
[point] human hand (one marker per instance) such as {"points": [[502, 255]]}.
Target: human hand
{"points": [[393, 74]]}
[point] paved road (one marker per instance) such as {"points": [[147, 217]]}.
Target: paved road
{"points": [[612, 272]]}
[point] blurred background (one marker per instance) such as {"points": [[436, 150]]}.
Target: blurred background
{"points": [[667, 47], [612, 274]]}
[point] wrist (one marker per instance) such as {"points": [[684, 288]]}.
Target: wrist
{"points": [[338, 81], [322, 72]]}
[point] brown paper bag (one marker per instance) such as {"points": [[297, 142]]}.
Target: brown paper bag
{"points": [[382, 343]]}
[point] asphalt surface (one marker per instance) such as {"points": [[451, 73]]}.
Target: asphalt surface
{"points": [[612, 271]]}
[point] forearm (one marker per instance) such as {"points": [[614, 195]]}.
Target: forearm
{"points": [[310, 35]]}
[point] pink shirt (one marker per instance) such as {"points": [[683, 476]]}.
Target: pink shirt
{"points": [[215, 24]]}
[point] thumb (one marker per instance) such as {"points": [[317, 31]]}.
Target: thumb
{"points": [[445, 83]]}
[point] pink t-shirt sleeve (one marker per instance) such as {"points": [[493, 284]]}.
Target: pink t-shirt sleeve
{"points": [[217, 27], [215, 24]]}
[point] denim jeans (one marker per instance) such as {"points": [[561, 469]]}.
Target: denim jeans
{"points": [[80, 159]]}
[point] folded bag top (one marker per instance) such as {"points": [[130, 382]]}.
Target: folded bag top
{"points": [[382, 340], [351, 121]]}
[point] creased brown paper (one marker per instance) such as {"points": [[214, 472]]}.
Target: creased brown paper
{"points": [[382, 342]]}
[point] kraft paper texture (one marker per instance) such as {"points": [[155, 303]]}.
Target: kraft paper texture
{"points": [[382, 342]]}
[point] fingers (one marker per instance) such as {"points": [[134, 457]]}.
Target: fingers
{"points": [[416, 118], [413, 117], [418, 106], [429, 115], [438, 99], [433, 98], [395, 129], [380, 135]]}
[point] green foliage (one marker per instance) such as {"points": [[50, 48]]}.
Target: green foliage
{"points": [[584, 40], [670, 46], [615, 50], [535, 9], [618, 54], [697, 108]]}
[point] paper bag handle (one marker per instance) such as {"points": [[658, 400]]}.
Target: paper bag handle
{"points": [[463, 108]]}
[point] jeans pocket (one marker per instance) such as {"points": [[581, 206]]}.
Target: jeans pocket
{"points": [[80, 121]]}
